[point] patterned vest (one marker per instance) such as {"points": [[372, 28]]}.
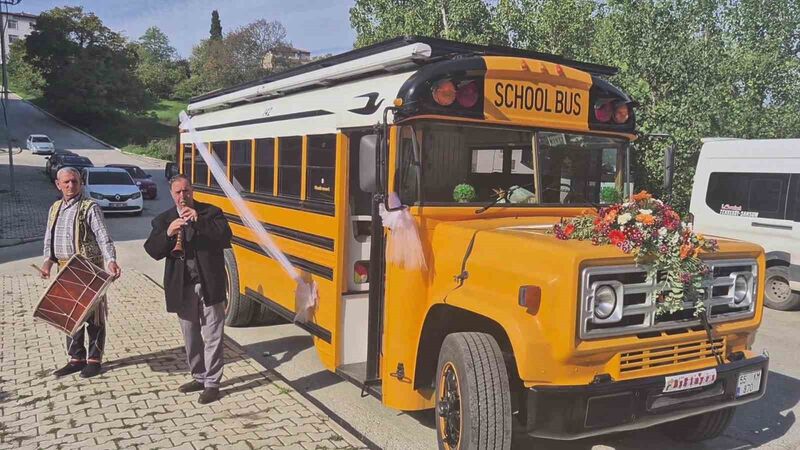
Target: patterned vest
{"points": [[85, 240]]}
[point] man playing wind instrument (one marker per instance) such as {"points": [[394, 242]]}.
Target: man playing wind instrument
{"points": [[75, 226], [192, 237]]}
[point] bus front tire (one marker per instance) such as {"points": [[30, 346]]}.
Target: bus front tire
{"points": [[699, 428], [473, 401], [238, 309], [777, 293]]}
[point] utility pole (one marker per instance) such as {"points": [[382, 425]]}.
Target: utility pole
{"points": [[3, 60]]}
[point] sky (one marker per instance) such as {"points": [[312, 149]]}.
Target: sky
{"points": [[320, 26]]}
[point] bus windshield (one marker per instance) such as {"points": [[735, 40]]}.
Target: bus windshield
{"points": [[459, 163]]}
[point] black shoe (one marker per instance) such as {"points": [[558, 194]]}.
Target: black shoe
{"points": [[91, 369], [208, 395], [192, 386], [71, 367]]}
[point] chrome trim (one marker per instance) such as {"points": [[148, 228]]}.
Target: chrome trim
{"points": [[647, 309]]}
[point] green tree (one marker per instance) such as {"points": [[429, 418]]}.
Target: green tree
{"points": [[460, 20], [157, 68], [237, 58], [216, 26], [88, 70], [23, 77]]}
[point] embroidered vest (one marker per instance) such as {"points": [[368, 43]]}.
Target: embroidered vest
{"points": [[85, 240]]}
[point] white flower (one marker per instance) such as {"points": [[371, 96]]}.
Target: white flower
{"points": [[646, 211], [662, 231], [622, 219]]}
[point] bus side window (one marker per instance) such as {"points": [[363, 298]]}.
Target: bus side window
{"points": [[265, 166], [200, 169], [241, 154], [221, 150], [187, 161], [321, 167], [290, 165]]}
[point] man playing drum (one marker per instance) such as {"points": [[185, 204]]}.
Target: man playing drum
{"points": [[75, 225]]}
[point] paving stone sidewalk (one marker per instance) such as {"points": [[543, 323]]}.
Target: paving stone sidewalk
{"points": [[23, 214], [134, 402]]}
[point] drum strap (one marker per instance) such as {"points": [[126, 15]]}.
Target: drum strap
{"points": [[57, 207]]}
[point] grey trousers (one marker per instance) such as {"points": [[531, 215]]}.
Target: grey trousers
{"points": [[202, 328]]}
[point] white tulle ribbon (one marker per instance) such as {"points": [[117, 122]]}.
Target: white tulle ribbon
{"points": [[405, 247], [306, 294]]}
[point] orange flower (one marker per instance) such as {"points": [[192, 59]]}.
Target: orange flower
{"points": [[569, 229], [686, 250], [646, 219], [643, 195], [610, 217]]}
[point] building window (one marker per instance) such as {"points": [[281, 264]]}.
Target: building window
{"points": [[265, 166], [12, 25], [12, 38], [221, 150], [200, 169], [748, 194], [187, 160], [321, 167], [241, 157], [290, 162]]}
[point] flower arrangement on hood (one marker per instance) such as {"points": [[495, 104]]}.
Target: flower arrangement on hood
{"points": [[653, 233]]}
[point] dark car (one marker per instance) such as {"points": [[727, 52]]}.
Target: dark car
{"points": [[170, 170], [143, 179], [65, 159]]}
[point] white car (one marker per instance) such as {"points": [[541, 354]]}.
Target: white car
{"points": [[113, 189], [40, 144]]}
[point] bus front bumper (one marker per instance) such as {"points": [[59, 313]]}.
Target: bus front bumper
{"points": [[575, 412]]}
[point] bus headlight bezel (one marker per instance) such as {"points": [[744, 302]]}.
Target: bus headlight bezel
{"points": [[742, 290], [606, 301]]}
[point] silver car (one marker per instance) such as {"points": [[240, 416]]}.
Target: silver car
{"points": [[40, 144]]}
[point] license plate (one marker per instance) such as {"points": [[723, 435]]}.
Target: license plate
{"points": [[676, 383], [748, 383], [117, 204]]}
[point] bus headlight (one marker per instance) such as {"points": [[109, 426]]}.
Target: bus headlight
{"points": [[742, 291], [606, 303]]}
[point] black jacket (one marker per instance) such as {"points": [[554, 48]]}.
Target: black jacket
{"points": [[211, 234]]}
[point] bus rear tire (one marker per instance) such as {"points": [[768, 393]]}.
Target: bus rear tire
{"points": [[777, 293], [473, 401], [699, 428], [238, 309]]}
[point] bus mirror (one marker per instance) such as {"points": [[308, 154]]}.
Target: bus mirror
{"points": [[367, 153]]}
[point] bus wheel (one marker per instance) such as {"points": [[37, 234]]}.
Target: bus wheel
{"points": [[777, 293], [238, 309], [699, 428], [473, 402]]}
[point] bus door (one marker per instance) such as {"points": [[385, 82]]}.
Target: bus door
{"points": [[362, 302]]}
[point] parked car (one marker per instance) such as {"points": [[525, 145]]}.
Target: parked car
{"points": [[142, 179], [40, 144], [113, 189], [170, 170], [750, 190], [66, 159]]}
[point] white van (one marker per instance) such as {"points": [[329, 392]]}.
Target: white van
{"points": [[750, 190]]}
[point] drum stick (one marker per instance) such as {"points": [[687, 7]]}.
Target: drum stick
{"points": [[41, 272]]}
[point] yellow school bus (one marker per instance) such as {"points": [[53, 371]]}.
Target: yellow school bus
{"points": [[488, 147]]}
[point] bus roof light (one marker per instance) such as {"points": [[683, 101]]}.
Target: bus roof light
{"points": [[467, 94], [621, 113], [603, 111], [559, 70], [444, 92]]}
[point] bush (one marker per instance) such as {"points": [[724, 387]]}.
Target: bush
{"points": [[158, 148]]}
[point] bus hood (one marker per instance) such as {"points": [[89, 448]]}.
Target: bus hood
{"points": [[525, 246]]}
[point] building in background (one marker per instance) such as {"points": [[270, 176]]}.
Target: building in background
{"points": [[17, 26], [285, 56]]}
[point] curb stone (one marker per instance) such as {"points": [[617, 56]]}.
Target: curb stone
{"points": [[19, 241]]}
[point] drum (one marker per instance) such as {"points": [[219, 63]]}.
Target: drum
{"points": [[73, 294]]}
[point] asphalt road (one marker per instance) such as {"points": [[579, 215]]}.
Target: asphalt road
{"points": [[769, 423]]}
